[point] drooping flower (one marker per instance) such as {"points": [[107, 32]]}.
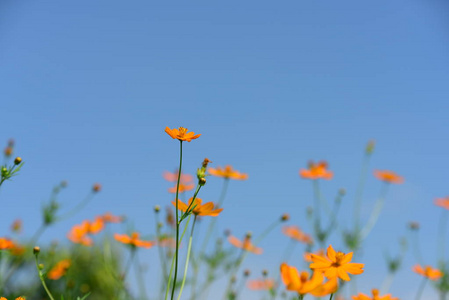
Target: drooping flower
{"points": [[245, 244], [300, 283], [181, 134], [133, 240], [294, 232], [336, 264], [443, 202], [227, 172], [200, 209], [316, 171], [261, 284], [59, 269], [388, 176], [376, 296], [428, 271]]}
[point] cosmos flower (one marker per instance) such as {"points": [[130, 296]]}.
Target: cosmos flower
{"points": [[133, 240], [294, 232], [316, 171], [388, 176], [200, 209], [428, 271], [300, 283], [59, 269], [261, 284], [227, 172], [245, 244], [336, 264], [183, 187], [443, 202], [181, 134], [376, 296]]}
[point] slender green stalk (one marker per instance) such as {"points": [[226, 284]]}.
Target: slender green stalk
{"points": [[140, 282], [359, 192], [177, 222], [376, 212], [78, 208], [421, 288], [332, 296], [41, 277], [130, 262], [187, 259], [267, 231]]}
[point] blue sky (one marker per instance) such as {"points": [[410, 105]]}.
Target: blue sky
{"points": [[87, 88]]}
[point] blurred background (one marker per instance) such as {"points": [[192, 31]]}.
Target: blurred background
{"points": [[87, 89]]}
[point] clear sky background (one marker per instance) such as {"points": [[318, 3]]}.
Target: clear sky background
{"points": [[87, 88]]}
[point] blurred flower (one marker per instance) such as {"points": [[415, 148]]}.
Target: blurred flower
{"points": [[336, 264], [228, 172], [173, 177], [300, 283], [443, 202], [96, 188], [59, 269], [17, 250], [245, 244], [316, 171], [326, 288], [428, 271], [96, 226], [110, 218], [182, 188], [6, 243], [133, 240], [413, 225], [388, 176], [16, 226], [296, 233], [169, 217], [166, 241], [308, 255], [376, 296], [261, 284], [181, 134], [78, 235], [200, 209], [8, 151]]}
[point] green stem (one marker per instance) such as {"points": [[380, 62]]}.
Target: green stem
{"points": [[177, 222], [41, 277], [359, 192], [332, 296], [77, 208], [187, 259], [421, 288], [375, 213]]}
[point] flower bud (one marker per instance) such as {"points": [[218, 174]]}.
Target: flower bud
{"points": [[413, 225], [202, 181], [157, 208], [246, 273], [36, 250], [370, 147], [97, 187], [285, 217], [18, 160], [41, 267], [265, 273], [8, 151]]}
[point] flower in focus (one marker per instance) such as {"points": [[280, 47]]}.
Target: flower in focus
{"points": [[300, 283], [316, 171], [173, 177], [336, 264], [308, 255], [376, 296], [428, 271], [183, 187], [59, 269], [181, 134], [388, 176], [261, 284], [200, 209], [245, 244], [443, 202], [227, 172], [296, 233], [133, 240]]}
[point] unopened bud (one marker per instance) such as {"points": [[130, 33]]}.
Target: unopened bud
{"points": [[40, 266], [370, 147], [342, 191], [205, 162], [36, 250], [265, 273], [285, 217], [202, 181], [248, 235], [63, 184], [8, 151], [157, 208], [246, 273], [413, 225], [18, 160], [97, 187]]}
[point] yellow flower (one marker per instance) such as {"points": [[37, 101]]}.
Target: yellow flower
{"points": [[388, 176], [206, 209], [300, 283], [316, 171], [376, 296], [181, 134], [428, 271], [245, 245], [336, 264], [133, 240], [227, 172]]}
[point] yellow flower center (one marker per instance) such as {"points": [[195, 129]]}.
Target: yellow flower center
{"points": [[182, 131], [338, 258]]}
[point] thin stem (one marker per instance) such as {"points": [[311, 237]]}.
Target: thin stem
{"points": [[177, 222], [130, 262], [77, 208], [375, 213], [41, 277], [266, 232], [359, 192], [421, 289], [187, 259], [138, 268], [332, 296]]}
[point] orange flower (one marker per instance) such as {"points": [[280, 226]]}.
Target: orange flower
{"points": [[59, 269], [443, 202], [428, 271], [200, 209], [6, 243], [95, 226], [308, 255], [228, 173], [173, 177], [336, 264], [78, 234], [110, 218], [166, 241], [18, 298], [181, 134], [261, 284], [316, 171], [16, 226], [182, 188], [300, 283], [296, 233], [329, 287], [388, 176], [245, 245], [133, 240], [376, 296]]}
